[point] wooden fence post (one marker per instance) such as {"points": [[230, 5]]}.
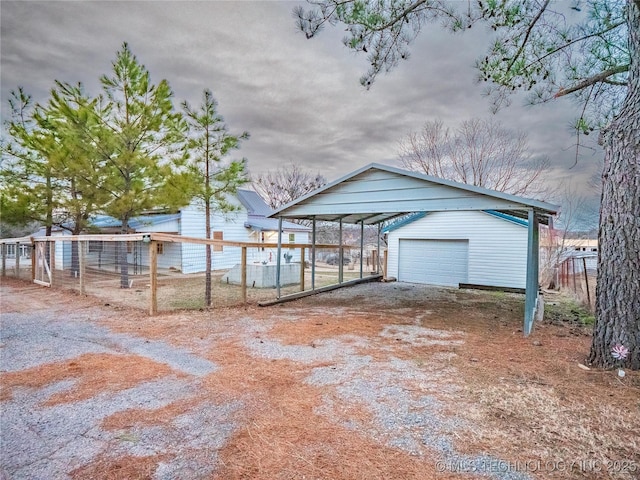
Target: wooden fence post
{"points": [[4, 259], [586, 280], [33, 259], [18, 260], [243, 274], [82, 266], [153, 277], [302, 269], [52, 259]]}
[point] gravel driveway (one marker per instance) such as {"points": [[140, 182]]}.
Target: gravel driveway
{"points": [[185, 409]]}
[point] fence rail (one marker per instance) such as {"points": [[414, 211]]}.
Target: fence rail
{"points": [[161, 272]]}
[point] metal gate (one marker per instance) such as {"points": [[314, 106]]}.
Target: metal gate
{"points": [[42, 274]]}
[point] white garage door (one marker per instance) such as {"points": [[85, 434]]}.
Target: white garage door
{"points": [[434, 262]]}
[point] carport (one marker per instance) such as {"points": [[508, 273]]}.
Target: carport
{"points": [[377, 193]]}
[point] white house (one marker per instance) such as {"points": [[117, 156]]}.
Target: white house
{"points": [[483, 248], [247, 224]]}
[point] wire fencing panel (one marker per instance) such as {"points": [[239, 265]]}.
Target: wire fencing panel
{"points": [[17, 258], [161, 272], [578, 275]]}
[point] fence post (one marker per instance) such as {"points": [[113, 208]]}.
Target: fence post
{"points": [[573, 269], [33, 259], [4, 259], [243, 274], [82, 266], [302, 269], [153, 277], [18, 260], [586, 280], [52, 259]]}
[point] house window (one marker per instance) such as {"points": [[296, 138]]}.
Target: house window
{"points": [[10, 249], [129, 247], [292, 238], [95, 246], [218, 236], [160, 248]]}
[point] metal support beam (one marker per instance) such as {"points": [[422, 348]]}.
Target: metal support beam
{"points": [[278, 260], [340, 254], [378, 253], [361, 245], [531, 299], [313, 254]]}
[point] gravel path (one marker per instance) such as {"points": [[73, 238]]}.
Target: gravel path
{"points": [[45, 441]]}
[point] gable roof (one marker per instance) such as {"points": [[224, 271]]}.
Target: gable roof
{"points": [[254, 203], [105, 221], [258, 211], [376, 193]]}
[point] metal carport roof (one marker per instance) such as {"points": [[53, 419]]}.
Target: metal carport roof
{"points": [[376, 193]]}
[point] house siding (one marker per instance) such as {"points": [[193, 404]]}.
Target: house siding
{"points": [[497, 247], [192, 223]]}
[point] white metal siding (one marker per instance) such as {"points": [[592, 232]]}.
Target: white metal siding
{"points": [[497, 247], [232, 226], [192, 224], [434, 262]]}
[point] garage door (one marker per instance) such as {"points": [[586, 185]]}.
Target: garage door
{"points": [[435, 262]]}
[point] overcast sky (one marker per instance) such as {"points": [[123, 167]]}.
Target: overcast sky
{"points": [[300, 99]]}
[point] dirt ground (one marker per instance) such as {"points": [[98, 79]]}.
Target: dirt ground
{"points": [[376, 381]]}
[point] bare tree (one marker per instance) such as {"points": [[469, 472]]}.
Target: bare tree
{"points": [[479, 152], [286, 183]]}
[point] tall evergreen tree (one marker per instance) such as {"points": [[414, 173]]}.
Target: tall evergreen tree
{"points": [[215, 177], [140, 141]]}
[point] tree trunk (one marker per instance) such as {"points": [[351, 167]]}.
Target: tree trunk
{"points": [[618, 288]]}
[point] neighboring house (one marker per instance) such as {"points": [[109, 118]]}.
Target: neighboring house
{"points": [[247, 224], [483, 248]]}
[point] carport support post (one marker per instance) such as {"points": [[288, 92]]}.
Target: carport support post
{"points": [[531, 298], [313, 254], [378, 251], [278, 259], [4, 259], [340, 254], [361, 244], [153, 277]]}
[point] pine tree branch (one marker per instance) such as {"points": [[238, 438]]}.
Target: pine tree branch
{"points": [[581, 39], [526, 37], [600, 77]]}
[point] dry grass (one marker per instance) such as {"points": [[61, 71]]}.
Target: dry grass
{"points": [[93, 373], [124, 468]]}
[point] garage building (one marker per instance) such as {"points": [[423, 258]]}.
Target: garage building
{"points": [[473, 248]]}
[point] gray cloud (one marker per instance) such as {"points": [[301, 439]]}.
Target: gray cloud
{"points": [[300, 100]]}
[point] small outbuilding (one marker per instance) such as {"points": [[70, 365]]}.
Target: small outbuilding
{"points": [[377, 194], [485, 249]]}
